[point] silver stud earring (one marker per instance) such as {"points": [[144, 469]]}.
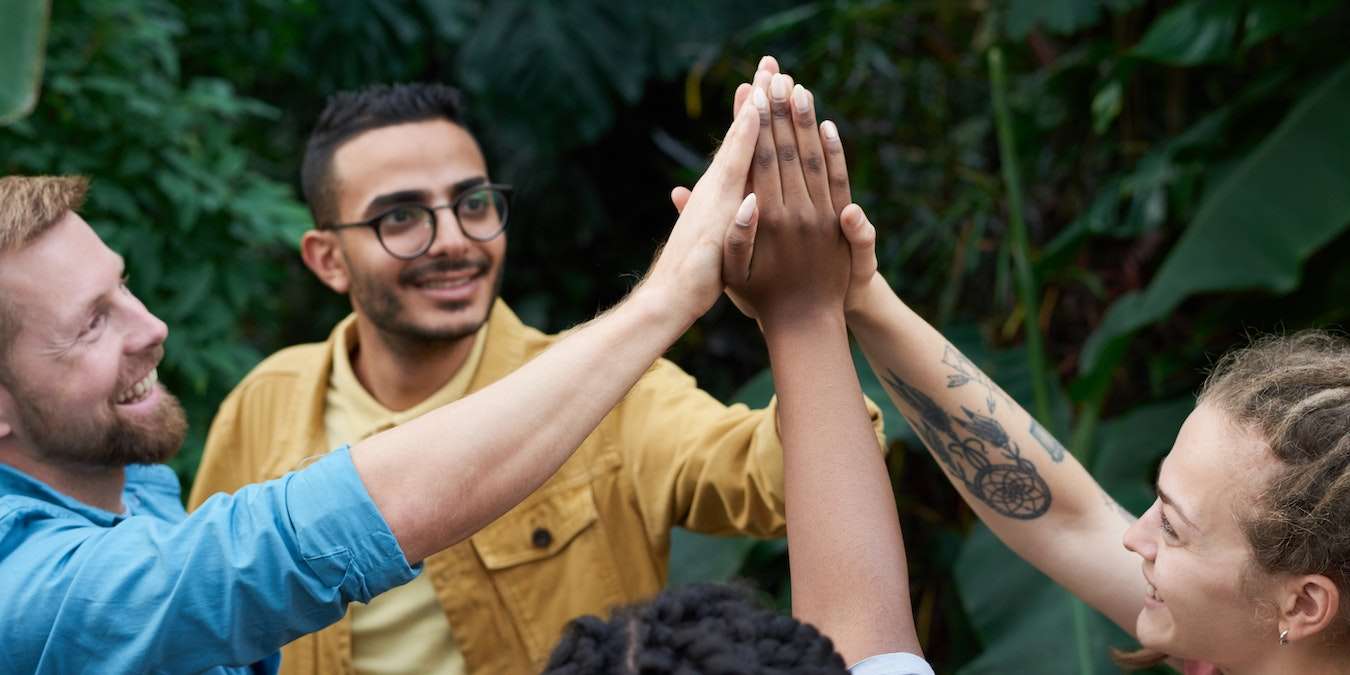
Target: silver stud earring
{"points": [[1284, 637]]}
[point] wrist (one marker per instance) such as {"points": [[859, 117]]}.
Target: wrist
{"points": [[869, 301], [663, 310], [793, 324]]}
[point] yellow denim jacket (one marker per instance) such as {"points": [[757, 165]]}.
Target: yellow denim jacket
{"points": [[595, 536]]}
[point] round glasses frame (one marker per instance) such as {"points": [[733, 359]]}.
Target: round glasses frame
{"points": [[376, 223]]}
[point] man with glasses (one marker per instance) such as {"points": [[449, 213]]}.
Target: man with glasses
{"points": [[411, 227]]}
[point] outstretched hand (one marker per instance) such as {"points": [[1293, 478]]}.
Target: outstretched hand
{"points": [[801, 181], [705, 246]]}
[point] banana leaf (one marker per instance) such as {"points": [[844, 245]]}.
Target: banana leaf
{"points": [[1256, 226], [23, 37]]}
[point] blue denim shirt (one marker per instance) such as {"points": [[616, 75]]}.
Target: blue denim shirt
{"points": [[154, 590]]}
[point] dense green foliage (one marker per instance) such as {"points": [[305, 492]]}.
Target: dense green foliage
{"points": [[1179, 171]]}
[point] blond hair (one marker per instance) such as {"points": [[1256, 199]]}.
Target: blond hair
{"points": [[29, 205]]}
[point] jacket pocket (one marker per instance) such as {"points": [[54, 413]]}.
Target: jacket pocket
{"points": [[550, 561]]}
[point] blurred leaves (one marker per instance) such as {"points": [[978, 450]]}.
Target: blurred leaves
{"points": [[23, 36], [172, 188], [1257, 226]]}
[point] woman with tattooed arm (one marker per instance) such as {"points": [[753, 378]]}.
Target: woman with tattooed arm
{"points": [[1241, 562]]}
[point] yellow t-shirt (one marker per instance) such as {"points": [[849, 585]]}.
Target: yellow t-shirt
{"points": [[405, 629]]}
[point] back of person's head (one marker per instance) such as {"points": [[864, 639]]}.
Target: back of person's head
{"points": [[350, 113], [1294, 392], [704, 629], [29, 206]]}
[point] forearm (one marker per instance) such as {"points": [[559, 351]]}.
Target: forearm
{"points": [[1021, 482], [445, 475], [847, 557]]}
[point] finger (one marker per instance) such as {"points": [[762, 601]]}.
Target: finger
{"points": [[731, 165], [835, 167], [739, 247], [811, 149], [742, 95], [680, 197], [769, 64], [764, 179], [785, 143], [858, 230]]}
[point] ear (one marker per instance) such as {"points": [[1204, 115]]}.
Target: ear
{"points": [[8, 413], [1309, 604], [323, 256]]}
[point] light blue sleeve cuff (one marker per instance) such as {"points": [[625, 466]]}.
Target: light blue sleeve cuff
{"points": [[339, 531], [895, 663]]}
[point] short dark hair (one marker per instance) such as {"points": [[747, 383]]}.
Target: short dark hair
{"points": [[712, 629], [349, 113]]}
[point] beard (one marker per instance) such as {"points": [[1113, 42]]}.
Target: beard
{"points": [[386, 311], [105, 441]]}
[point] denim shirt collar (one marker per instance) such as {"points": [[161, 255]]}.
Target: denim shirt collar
{"points": [[17, 483]]}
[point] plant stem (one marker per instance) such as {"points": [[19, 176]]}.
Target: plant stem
{"points": [[1027, 288]]}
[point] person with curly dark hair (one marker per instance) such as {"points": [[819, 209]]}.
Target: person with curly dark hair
{"points": [[850, 594]]}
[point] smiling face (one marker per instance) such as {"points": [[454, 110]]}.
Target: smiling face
{"points": [[447, 293], [1203, 600], [81, 387]]}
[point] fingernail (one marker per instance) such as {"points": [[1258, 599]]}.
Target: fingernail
{"points": [[764, 62], [831, 133], [778, 87], [799, 99], [746, 211], [759, 99]]}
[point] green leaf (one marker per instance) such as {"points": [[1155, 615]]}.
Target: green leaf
{"points": [[23, 38], [1259, 223], [1199, 31]]}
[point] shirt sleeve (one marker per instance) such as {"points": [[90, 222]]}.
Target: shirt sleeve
{"points": [[697, 463], [227, 586], [895, 663]]}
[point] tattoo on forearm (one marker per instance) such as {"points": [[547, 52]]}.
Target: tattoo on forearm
{"points": [[966, 372], [1115, 506], [1052, 446], [1008, 483]]}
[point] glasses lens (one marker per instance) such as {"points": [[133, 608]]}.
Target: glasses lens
{"points": [[482, 212], [406, 231]]}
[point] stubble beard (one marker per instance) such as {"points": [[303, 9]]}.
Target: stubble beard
{"points": [[383, 307], [104, 441]]}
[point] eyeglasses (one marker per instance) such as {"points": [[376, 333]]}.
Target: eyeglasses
{"points": [[408, 230]]}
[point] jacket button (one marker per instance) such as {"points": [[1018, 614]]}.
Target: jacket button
{"points": [[541, 538]]}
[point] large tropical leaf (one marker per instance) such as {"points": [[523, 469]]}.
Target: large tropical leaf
{"points": [[1258, 225], [23, 36], [1030, 624]]}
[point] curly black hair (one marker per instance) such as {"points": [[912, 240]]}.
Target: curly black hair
{"points": [[700, 629]]}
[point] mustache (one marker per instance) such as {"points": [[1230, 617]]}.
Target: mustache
{"points": [[136, 370], [441, 266]]}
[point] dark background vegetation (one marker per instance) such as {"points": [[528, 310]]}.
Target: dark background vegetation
{"points": [[1182, 170]]}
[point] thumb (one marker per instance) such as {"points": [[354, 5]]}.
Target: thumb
{"points": [[861, 236], [680, 197], [739, 247]]}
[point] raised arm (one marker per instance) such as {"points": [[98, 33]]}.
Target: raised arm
{"points": [[1020, 481], [438, 479], [847, 558]]}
